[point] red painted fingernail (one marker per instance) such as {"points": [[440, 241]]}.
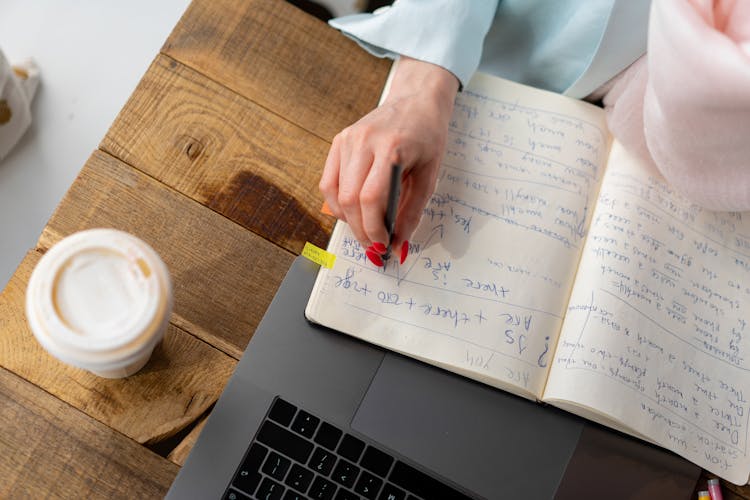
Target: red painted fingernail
{"points": [[404, 251], [374, 258], [379, 248]]}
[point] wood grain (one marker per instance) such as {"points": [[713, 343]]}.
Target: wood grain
{"points": [[50, 450], [224, 277], [281, 58], [180, 453], [182, 379], [235, 143], [250, 165]]}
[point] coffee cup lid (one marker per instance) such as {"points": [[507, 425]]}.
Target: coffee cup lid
{"points": [[98, 295]]}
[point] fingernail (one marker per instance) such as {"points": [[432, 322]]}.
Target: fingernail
{"points": [[404, 251], [374, 258], [379, 248]]}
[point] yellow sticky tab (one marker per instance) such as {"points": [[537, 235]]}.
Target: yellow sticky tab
{"points": [[318, 255]]}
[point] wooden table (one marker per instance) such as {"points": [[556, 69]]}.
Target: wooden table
{"points": [[214, 161]]}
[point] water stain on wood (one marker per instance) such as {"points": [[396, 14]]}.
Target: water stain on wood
{"points": [[269, 211]]}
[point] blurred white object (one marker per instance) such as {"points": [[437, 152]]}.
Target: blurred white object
{"points": [[100, 300], [17, 87]]}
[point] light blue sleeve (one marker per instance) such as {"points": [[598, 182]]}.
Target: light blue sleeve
{"points": [[449, 33]]}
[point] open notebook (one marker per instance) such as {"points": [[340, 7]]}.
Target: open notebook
{"points": [[551, 264]]}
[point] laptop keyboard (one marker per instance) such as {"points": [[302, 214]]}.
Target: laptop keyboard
{"points": [[296, 455]]}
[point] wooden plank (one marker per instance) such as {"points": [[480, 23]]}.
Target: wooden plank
{"points": [[226, 152], [51, 450], [281, 58], [224, 277], [180, 453], [183, 378]]}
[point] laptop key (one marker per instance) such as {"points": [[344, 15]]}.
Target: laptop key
{"points": [[322, 461], [276, 466], [346, 495], [322, 489], [390, 492], [345, 473], [247, 477], [234, 495], [285, 442], [368, 485], [420, 484], [351, 448], [328, 436], [270, 490], [282, 412], [299, 478], [254, 457], [305, 424], [247, 481], [293, 495], [376, 461]]}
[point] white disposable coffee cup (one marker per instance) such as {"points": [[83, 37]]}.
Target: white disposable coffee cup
{"points": [[100, 300]]}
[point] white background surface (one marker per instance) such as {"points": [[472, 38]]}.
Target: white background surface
{"points": [[91, 54]]}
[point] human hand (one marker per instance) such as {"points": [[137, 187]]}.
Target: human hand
{"points": [[409, 128]]}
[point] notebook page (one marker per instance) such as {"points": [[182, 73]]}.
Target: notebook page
{"points": [[491, 264], [656, 332]]}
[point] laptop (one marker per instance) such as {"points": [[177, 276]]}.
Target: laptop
{"points": [[313, 413]]}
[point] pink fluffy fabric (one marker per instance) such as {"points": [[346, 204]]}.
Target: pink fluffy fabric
{"points": [[684, 107]]}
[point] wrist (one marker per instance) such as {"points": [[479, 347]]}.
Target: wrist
{"points": [[413, 76]]}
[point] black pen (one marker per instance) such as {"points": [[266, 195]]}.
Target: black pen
{"points": [[390, 210]]}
